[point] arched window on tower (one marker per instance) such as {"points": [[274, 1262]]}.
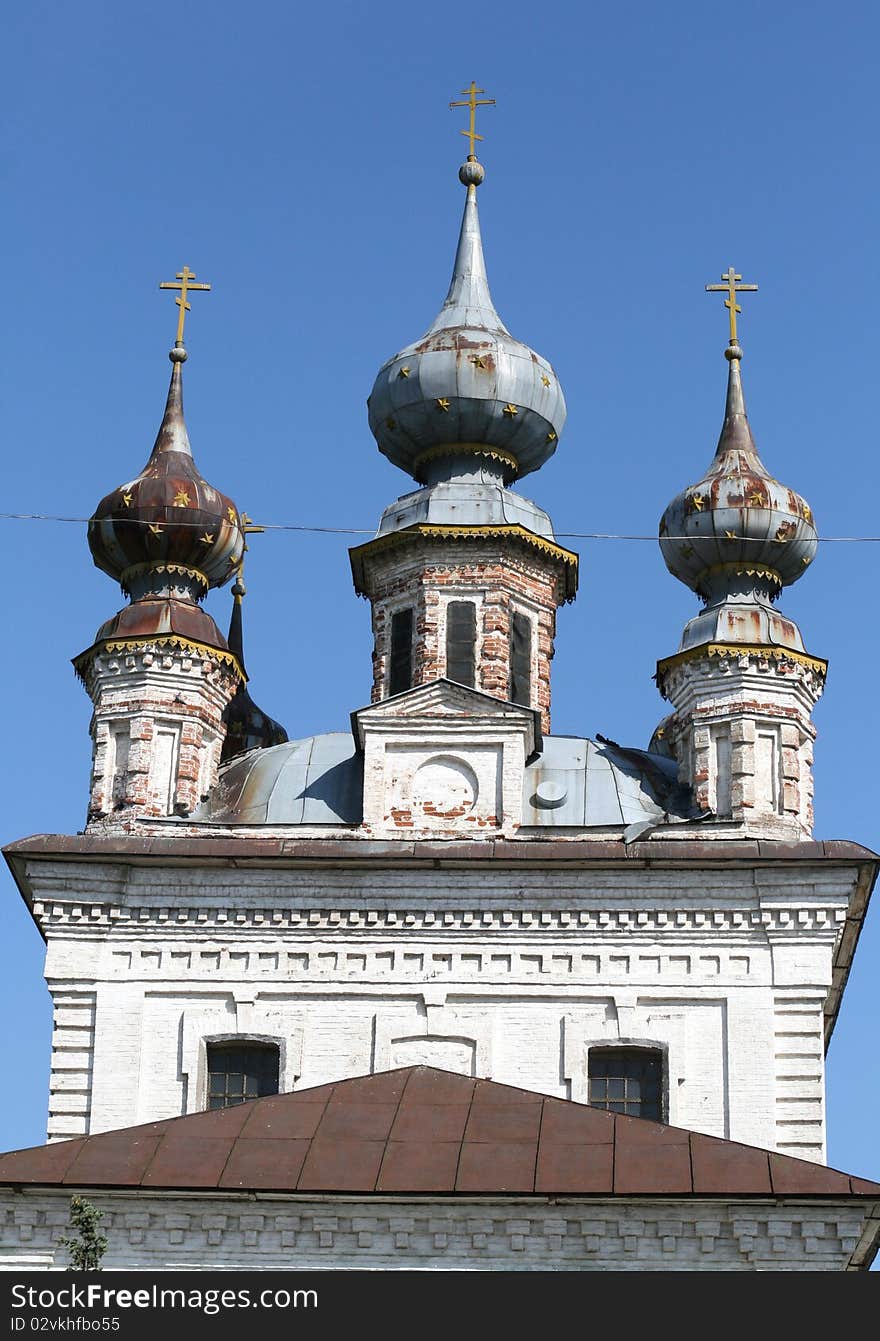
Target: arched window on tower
{"points": [[238, 1071], [461, 642], [627, 1080], [520, 659], [400, 655]]}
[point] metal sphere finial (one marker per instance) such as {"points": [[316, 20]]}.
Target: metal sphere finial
{"points": [[178, 354], [471, 173]]}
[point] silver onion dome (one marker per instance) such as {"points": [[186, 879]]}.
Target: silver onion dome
{"points": [[737, 522], [467, 387]]}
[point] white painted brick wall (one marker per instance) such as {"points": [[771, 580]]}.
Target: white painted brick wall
{"points": [[154, 1231], [511, 975]]}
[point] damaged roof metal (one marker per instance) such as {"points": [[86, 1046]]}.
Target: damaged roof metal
{"points": [[575, 783]]}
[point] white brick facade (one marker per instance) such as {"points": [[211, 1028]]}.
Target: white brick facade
{"points": [[227, 1231], [510, 971]]}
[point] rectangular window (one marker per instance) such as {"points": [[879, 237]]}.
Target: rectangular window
{"points": [[520, 659], [627, 1080], [461, 642], [241, 1071], [400, 668], [117, 762]]}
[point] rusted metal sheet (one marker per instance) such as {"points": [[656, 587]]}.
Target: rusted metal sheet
{"points": [[168, 514]]}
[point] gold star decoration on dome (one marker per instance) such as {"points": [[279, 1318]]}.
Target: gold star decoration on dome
{"points": [[510, 410], [404, 372], [391, 423], [756, 499], [551, 436], [442, 404], [207, 538], [732, 287], [730, 535], [808, 512], [478, 361], [545, 379], [181, 499], [230, 512], [155, 528], [183, 283], [696, 502], [473, 102], [126, 498]]}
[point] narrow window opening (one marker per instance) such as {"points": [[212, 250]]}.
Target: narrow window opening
{"points": [[461, 642], [400, 668], [241, 1071], [627, 1080], [520, 659], [117, 762]]}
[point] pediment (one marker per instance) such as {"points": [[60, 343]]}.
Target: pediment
{"points": [[446, 699]]}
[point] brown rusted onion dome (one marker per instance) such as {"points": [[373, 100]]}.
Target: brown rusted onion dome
{"points": [[168, 518]]}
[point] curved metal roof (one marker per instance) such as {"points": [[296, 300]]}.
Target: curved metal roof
{"points": [[575, 783]]}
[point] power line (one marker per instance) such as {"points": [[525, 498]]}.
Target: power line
{"points": [[353, 530]]}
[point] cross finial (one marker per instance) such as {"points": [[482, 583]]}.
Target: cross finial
{"points": [[473, 102], [732, 287], [183, 282]]}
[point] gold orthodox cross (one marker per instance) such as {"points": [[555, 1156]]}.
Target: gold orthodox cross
{"points": [[473, 102], [184, 283], [732, 287]]}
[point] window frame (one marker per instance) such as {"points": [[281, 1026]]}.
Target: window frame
{"points": [[659, 1050], [229, 1038], [241, 1044], [405, 607], [475, 659], [530, 616]]}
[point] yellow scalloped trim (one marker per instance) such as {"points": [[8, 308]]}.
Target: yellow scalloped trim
{"points": [[464, 449], [180, 568], [816, 664], [161, 640], [754, 570], [439, 532]]}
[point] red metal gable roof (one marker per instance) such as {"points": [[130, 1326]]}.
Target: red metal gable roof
{"points": [[421, 1130]]}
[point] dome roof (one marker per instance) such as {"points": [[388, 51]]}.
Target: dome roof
{"points": [[737, 521], [467, 387], [574, 782], [168, 518]]}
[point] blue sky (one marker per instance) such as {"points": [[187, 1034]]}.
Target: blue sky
{"points": [[304, 161]]}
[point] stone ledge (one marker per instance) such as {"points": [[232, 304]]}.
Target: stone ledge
{"points": [[681, 851]]}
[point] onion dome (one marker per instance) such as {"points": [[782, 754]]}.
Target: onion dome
{"points": [[737, 528], [168, 520], [467, 387], [247, 726]]}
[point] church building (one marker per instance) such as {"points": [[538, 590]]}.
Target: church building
{"points": [[441, 988]]}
